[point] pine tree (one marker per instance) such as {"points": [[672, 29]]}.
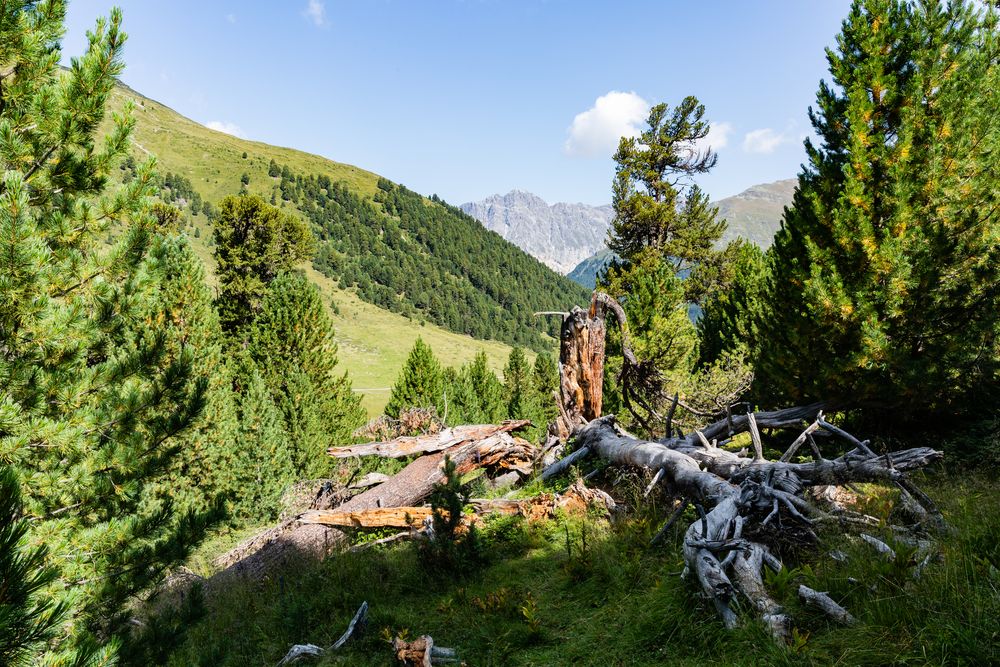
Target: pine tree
{"points": [[89, 411], [650, 211], [420, 383], [479, 394], [731, 315], [264, 458], [545, 387], [292, 341], [663, 229], [885, 270], [204, 469], [255, 242], [28, 618], [521, 403]]}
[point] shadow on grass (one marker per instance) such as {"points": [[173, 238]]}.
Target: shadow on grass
{"points": [[577, 592]]}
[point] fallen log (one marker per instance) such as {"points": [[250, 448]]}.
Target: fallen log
{"points": [[426, 444], [379, 517], [293, 541], [741, 496], [578, 498]]}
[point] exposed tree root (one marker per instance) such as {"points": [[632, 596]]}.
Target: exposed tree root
{"points": [[739, 498]]}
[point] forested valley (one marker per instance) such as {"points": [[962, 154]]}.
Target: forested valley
{"points": [[723, 455]]}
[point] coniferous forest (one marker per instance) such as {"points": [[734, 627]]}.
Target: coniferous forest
{"points": [[724, 455]]}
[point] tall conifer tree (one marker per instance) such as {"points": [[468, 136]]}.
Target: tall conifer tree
{"points": [[292, 342], [521, 403], [204, 470], [887, 266], [420, 383], [89, 411]]}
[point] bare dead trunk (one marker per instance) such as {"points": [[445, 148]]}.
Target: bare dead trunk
{"points": [[581, 364]]}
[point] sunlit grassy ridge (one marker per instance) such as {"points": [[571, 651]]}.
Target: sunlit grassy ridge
{"points": [[373, 342]]}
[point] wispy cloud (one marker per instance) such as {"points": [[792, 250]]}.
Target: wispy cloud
{"points": [[596, 131], [764, 140], [315, 11], [231, 18], [227, 128]]}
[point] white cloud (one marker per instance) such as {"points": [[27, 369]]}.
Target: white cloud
{"points": [[227, 128], [764, 140], [717, 137], [316, 12], [596, 131], [231, 18]]}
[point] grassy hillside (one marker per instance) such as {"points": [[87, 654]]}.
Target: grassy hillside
{"points": [[755, 214], [373, 342]]}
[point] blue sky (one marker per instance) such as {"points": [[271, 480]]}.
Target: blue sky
{"points": [[465, 98]]}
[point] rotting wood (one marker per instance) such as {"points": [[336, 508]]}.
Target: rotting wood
{"points": [[426, 444], [292, 541]]}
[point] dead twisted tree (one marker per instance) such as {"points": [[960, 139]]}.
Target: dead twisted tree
{"points": [[737, 496]]}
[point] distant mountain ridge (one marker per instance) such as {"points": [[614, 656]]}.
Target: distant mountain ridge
{"points": [[559, 235], [754, 214], [570, 238]]}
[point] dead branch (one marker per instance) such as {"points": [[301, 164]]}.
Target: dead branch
{"points": [[741, 496], [303, 650], [825, 604]]}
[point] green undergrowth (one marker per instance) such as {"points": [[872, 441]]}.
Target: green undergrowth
{"points": [[576, 591]]}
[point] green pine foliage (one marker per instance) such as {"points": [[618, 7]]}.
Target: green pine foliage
{"points": [[731, 314], [517, 388], [661, 333], [292, 342], [478, 394], [203, 471], [431, 261], [885, 271], [545, 386], [263, 451], [651, 211], [420, 384], [28, 617], [255, 243], [90, 410]]}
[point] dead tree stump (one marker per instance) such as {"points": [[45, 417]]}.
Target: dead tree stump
{"points": [[581, 363]]}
